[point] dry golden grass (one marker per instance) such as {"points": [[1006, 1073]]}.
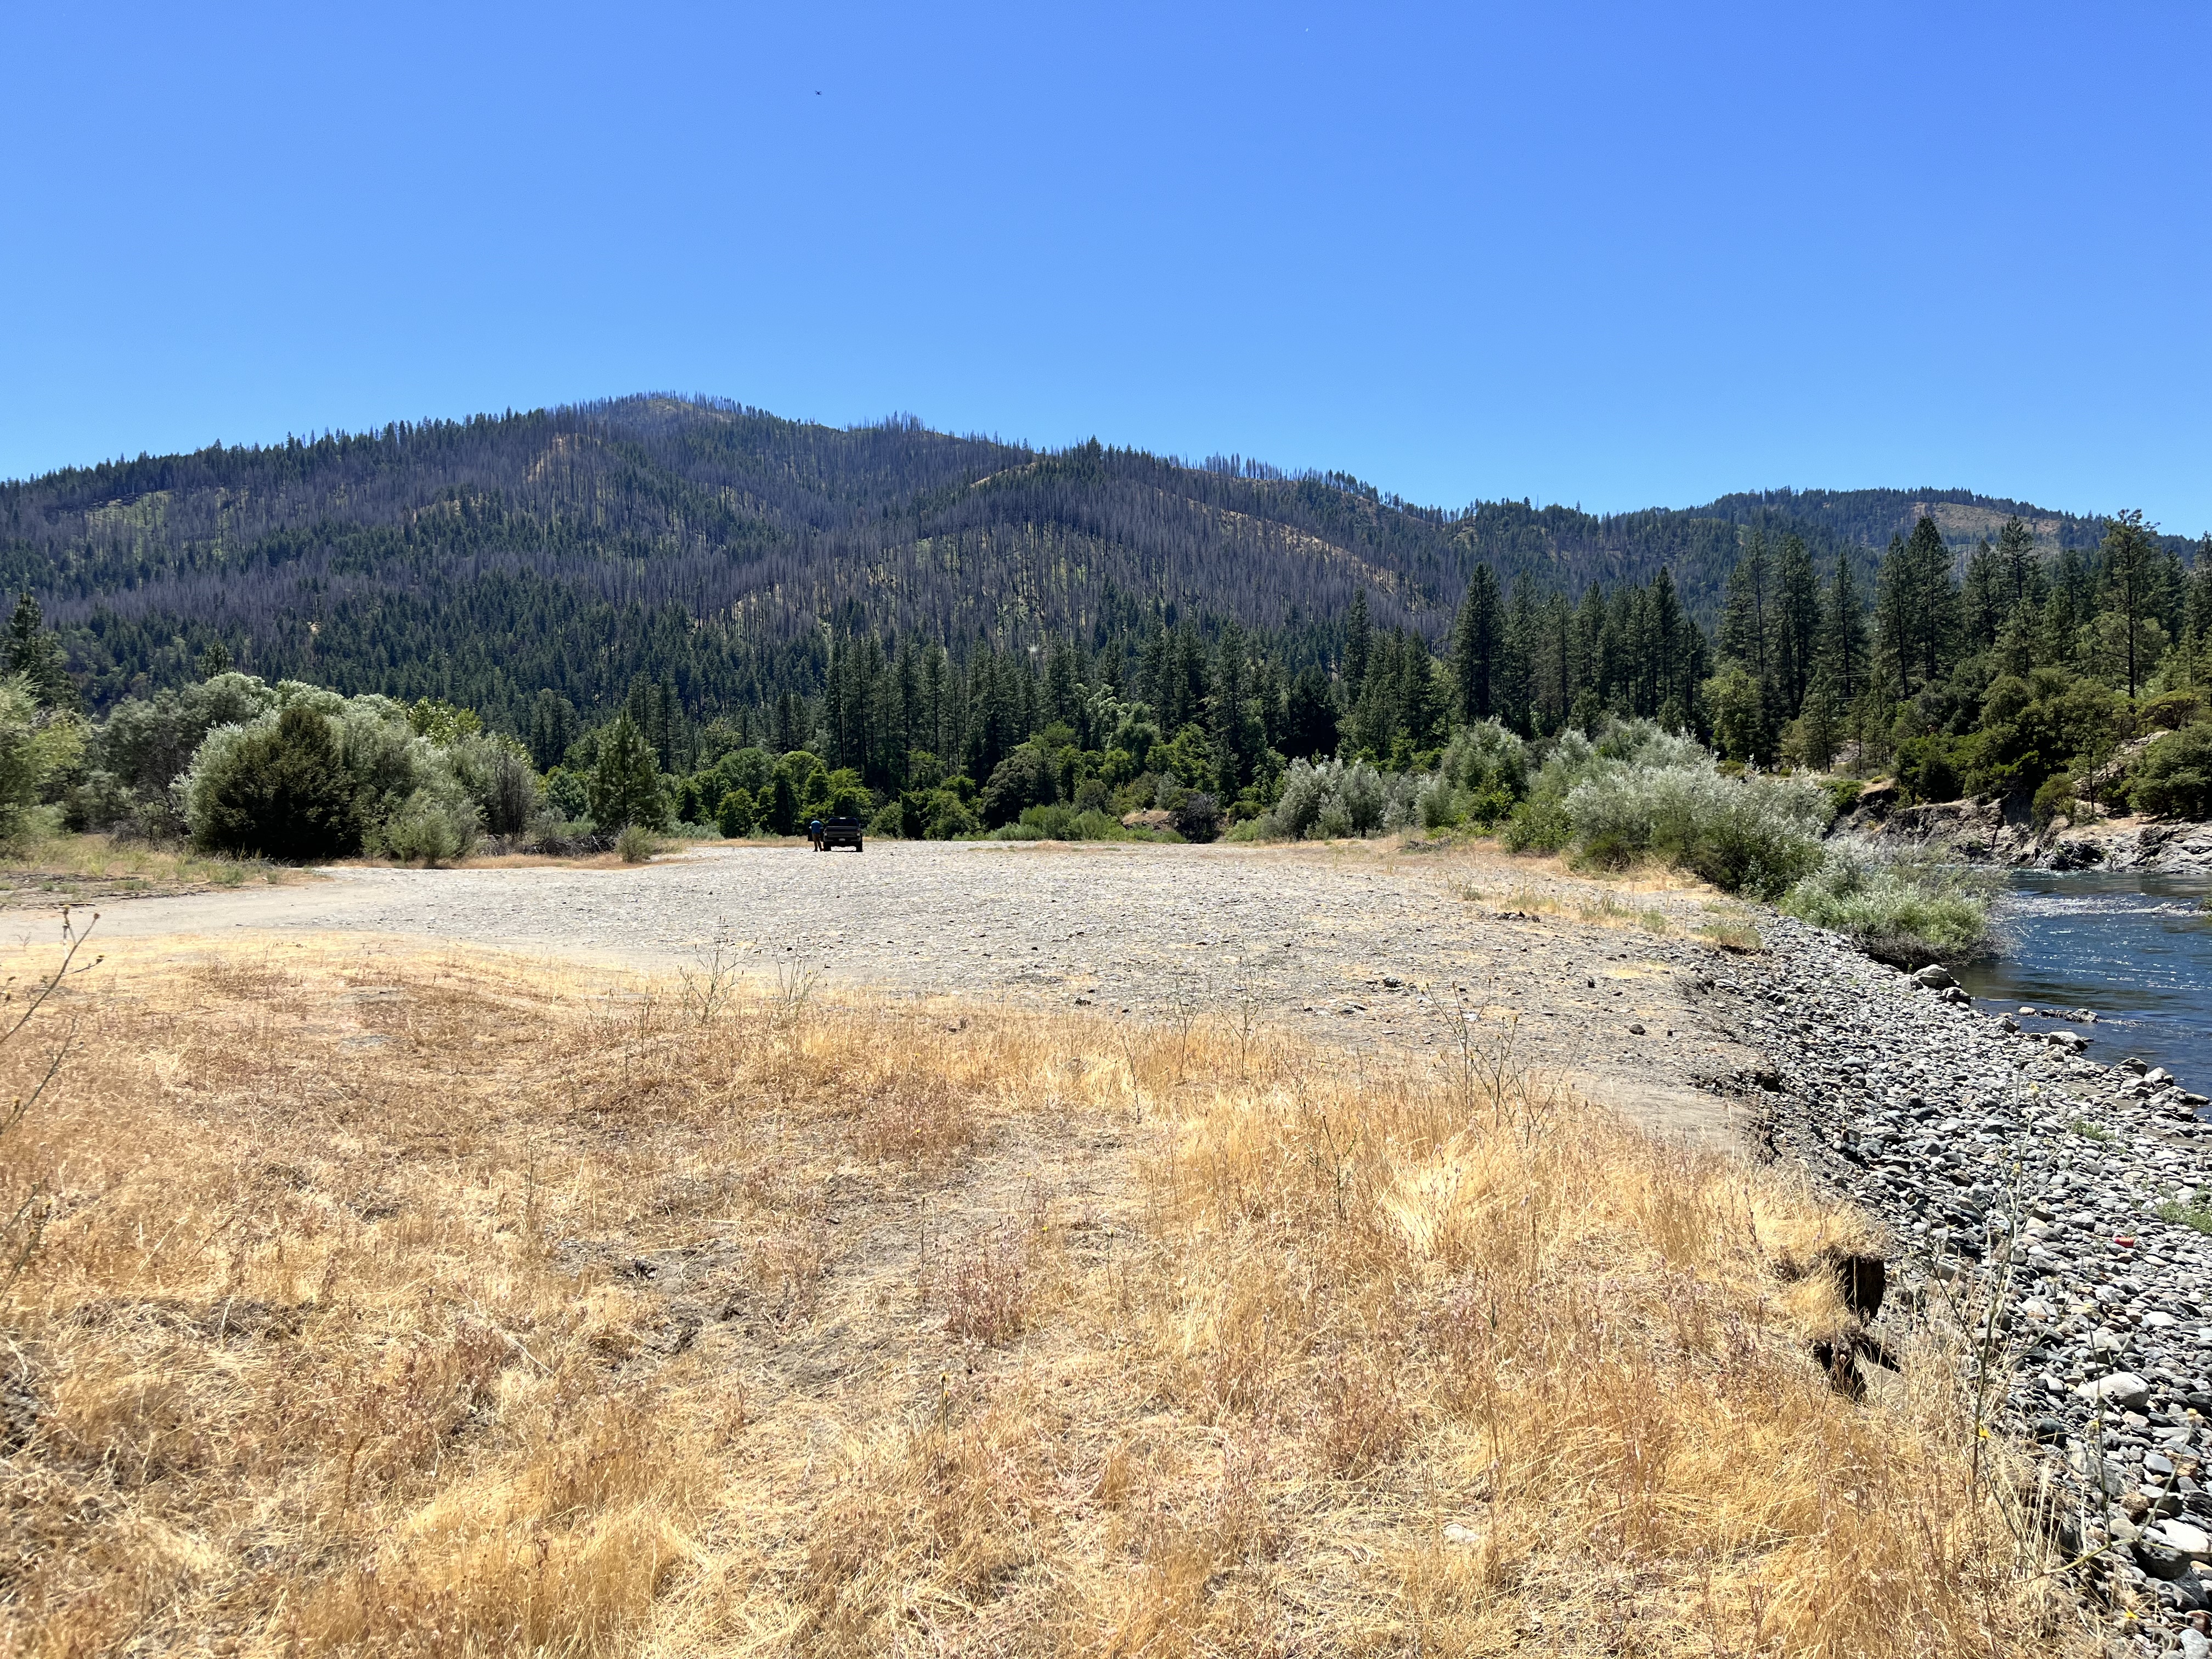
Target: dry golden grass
{"points": [[455, 1306], [58, 867]]}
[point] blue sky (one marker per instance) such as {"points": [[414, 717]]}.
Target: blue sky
{"points": [[1617, 256]]}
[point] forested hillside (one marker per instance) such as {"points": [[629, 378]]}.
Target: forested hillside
{"points": [[719, 550]]}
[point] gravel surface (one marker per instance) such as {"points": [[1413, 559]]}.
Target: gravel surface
{"points": [[1355, 944], [2024, 1184]]}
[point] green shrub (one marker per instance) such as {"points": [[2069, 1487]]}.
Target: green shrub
{"points": [[566, 793], [2173, 777], [890, 821], [636, 844], [1053, 823], [36, 745], [2172, 711], [426, 829], [1906, 909], [948, 818], [147, 744], [1337, 799], [733, 813], [1843, 795], [1749, 834], [497, 776], [1539, 825], [1931, 769], [277, 791], [1024, 779], [844, 796], [2054, 797]]}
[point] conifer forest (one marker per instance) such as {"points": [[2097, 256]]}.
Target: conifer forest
{"points": [[911, 607]]}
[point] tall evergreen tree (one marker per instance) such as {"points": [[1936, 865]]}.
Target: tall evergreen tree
{"points": [[2016, 561], [1744, 620], [1474, 644], [1358, 644], [625, 787], [2131, 567], [552, 729], [1796, 625], [1914, 607], [29, 648], [1842, 631], [1984, 598]]}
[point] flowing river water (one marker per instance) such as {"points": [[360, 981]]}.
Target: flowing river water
{"points": [[2135, 950]]}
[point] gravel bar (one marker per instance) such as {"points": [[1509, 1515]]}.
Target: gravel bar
{"points": [[2048, 1196]]}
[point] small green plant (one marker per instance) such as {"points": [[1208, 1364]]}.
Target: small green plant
{"points": [[2195, 1212], [636, 844], [1737, 938], [2088, 1131], [1904, 907], [428, 831]]}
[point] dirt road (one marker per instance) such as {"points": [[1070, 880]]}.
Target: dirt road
{"points": [[1358, 945]]}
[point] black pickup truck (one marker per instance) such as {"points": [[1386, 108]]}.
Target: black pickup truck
{"points": [[826, 833]]}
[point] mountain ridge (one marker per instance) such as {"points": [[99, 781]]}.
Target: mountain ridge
{"points": [[584, 544]]}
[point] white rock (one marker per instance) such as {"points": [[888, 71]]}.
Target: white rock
{"points": [[2122, 1388], [2188, 1539]]}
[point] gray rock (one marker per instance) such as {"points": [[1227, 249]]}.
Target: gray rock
{"points": [[1936, 977], [2159, 1559], [2124, 1389]]}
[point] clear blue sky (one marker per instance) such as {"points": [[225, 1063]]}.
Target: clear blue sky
{"points": [[1614, 256]]}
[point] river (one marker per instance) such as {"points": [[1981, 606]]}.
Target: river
{"points": [[2135, 950]]}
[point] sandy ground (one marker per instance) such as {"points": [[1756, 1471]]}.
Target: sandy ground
{"points": [[1365, 945]]}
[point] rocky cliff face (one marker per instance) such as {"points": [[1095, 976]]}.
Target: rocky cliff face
{"points": [[1983, 832]]}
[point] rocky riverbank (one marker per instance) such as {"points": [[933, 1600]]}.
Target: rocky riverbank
{"points": [[1983, 832], [2052, 1197]]}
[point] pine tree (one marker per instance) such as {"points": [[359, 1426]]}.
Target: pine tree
{"points": [[2016, 561], [1986, 600], [1474, 646], [1796, 625], [29, 648], [1358, 644], [552, 729], [1914, 607], [1939, 617], [1421, 705], [1510, 684], [625, 786], [1667, 624], [2130, 567], [1843, 635], [1744, 619]]}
